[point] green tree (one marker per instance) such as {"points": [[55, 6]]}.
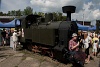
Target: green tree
{"points": [[35, 13], [9, 13], [28, 11], [59, 16], [4, 14], [1, 13], [18, 13], [13, 13], [64, 18], [41, 14], [55, 16]]}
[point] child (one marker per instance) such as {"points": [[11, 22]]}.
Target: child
{"points": [[95, 45], [15, 39]]}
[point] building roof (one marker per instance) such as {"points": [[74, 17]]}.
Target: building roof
{"points": [[8, 16], [5, 19], [86, 23]]}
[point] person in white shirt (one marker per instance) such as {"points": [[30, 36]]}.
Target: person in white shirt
{"points": [[87, 40], [15, 39]]}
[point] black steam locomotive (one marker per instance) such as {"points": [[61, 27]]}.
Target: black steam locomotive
{"points": [[46, 36]]}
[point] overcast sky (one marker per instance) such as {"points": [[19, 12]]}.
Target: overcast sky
{"points": [[90, 8]]}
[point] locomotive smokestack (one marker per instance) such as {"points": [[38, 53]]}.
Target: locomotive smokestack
{"points": [[68, 10]]}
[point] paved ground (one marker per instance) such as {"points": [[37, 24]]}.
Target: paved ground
{"points": [[24, 58]]}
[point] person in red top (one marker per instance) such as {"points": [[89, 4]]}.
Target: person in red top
{"points": [[75, 54], [73, 44]]}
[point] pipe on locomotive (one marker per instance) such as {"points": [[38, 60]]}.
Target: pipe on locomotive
{"points": [[68, 10]]}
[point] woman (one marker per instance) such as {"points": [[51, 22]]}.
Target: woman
{"points": [[95, 44], [86, 41]]}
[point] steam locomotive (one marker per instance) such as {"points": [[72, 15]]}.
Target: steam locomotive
{"points": [[47, 36]]}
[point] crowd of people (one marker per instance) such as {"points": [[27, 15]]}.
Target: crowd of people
{"points": [[7, 34], [90, 42]]}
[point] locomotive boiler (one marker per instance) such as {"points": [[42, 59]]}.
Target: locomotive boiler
{"points": [[47, 36]]}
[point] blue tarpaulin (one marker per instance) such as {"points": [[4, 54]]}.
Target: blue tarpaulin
{"points": [[81, 27], [9, 24], [92, 28]]}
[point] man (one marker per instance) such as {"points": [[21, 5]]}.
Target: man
{"points": [[75, 54], [3, 33], [73, 44], [80, 38], [19, 36], [15, 39]]}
